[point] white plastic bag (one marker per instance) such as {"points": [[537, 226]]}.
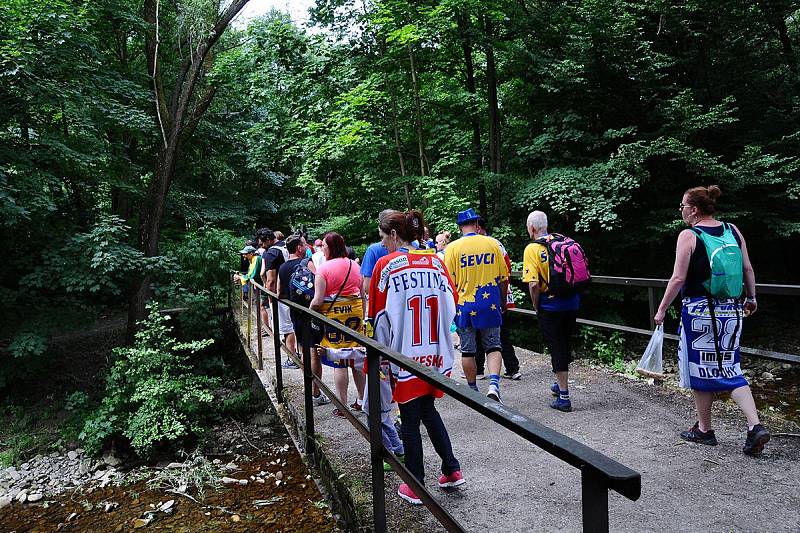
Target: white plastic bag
{"points": [[651, 364]]}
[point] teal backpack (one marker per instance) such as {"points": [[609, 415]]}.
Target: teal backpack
{"points": [[725, 260]]}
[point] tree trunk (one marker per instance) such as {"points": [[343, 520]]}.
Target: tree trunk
{"points": [[466, 44], [418, 113], [175, 122], [399, 150], [494, 115]]}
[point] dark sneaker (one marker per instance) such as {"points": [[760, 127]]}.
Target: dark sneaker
{"points": [[756, 439], [695, 435], [554, 388], [355, 406], [562, 405]]}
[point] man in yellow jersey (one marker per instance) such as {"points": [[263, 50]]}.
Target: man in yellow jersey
{"points": [[481, 277], [557, 314]]}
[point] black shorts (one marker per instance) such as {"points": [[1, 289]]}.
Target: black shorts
{"points": [[557, 328], [307, 337]]}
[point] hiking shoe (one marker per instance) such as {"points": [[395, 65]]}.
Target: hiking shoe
{"points": [[405, 492], [564, 406], [289, 364], [515, 376], [453, 480], [322, 399], [554, 388], [480, 376], [494, 393], [337, 412], [695, 435], [756, 439], [355, 406], [400, 457]]}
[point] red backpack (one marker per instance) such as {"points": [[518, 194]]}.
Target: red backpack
{"points": [[569, 267]]}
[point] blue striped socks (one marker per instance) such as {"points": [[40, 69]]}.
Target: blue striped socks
{"points": [[494, 379]]}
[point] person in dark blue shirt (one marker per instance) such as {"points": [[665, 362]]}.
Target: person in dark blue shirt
{"points": [[374, 252]]}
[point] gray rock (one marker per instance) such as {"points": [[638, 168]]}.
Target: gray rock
{"points": [[24, 466], [5, 501], [22, 496], [768, 376], [175, 465], [35, 497], [111, 460], [13, 474], [72, 455], [229, 480], [79, 451]]}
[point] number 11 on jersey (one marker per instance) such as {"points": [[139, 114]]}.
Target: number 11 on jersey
{"points": [[414, 304]]}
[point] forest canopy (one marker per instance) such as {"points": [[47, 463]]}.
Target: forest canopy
{"points": [[600, 113]]}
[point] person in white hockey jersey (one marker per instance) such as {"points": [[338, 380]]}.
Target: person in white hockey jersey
{"points": [[411, 306]]}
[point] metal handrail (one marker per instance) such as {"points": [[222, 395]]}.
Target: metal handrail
{"points": [[653, 283], [599, 473], [656, 283]]}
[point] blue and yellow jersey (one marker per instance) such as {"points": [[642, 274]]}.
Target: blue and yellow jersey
{"points": [[477, 266]]}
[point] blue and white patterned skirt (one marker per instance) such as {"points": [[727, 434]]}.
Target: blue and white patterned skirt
{"points": [[697, 358]]}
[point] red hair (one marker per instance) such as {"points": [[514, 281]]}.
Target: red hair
{"points": [[335, 243], [703, 198]]}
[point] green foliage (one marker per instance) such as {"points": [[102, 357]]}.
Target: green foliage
{"points": [[27, 345], [608, 348], [153, 396]]}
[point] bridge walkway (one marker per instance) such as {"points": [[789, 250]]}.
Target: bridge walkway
{"points": [[514, 486]]}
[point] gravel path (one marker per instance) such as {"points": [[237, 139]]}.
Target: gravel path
{"points": [[514, 486]]}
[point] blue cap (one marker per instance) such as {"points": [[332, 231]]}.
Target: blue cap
{"points": [[247, 250], [465, 217]]}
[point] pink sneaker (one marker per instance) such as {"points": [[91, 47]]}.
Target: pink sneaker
{"points": [[408, 495], [453, 480]]}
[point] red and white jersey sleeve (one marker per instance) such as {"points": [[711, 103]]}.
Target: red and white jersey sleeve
{"points": [[411, 307]]}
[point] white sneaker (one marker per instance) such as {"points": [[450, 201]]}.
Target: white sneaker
{"points": [[322, 399], [494, 393], [480, 376]]}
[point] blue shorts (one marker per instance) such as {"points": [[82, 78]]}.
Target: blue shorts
{"points": [[490, 338]]}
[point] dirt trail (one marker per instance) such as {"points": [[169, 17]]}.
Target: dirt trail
{"points": [[514, 486]]}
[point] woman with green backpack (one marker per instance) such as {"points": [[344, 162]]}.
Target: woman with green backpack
{"points": [[711, 267]]}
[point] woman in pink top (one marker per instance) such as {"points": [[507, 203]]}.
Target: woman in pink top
{"points": [[337, 295]]}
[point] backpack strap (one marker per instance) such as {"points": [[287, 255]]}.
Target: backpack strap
{"points": [[715, 331], [339, 292]]}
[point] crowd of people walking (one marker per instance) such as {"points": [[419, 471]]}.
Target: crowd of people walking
{"points": [[411, 293]]}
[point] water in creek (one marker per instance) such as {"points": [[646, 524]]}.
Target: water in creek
{"points": [[287, 500]]}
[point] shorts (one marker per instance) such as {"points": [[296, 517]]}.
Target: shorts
{"points": [[557, 327], [490, 338], [284, 320], [307, 331]]}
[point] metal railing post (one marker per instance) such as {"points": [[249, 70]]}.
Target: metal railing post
{"points": [[308, 384], [273, 302], [651, 301], [376, 440], [259, 344], [594, 496]]}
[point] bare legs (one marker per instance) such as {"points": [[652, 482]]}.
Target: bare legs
{"points": [[563, 380], [469, 367], [743, 398]]}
